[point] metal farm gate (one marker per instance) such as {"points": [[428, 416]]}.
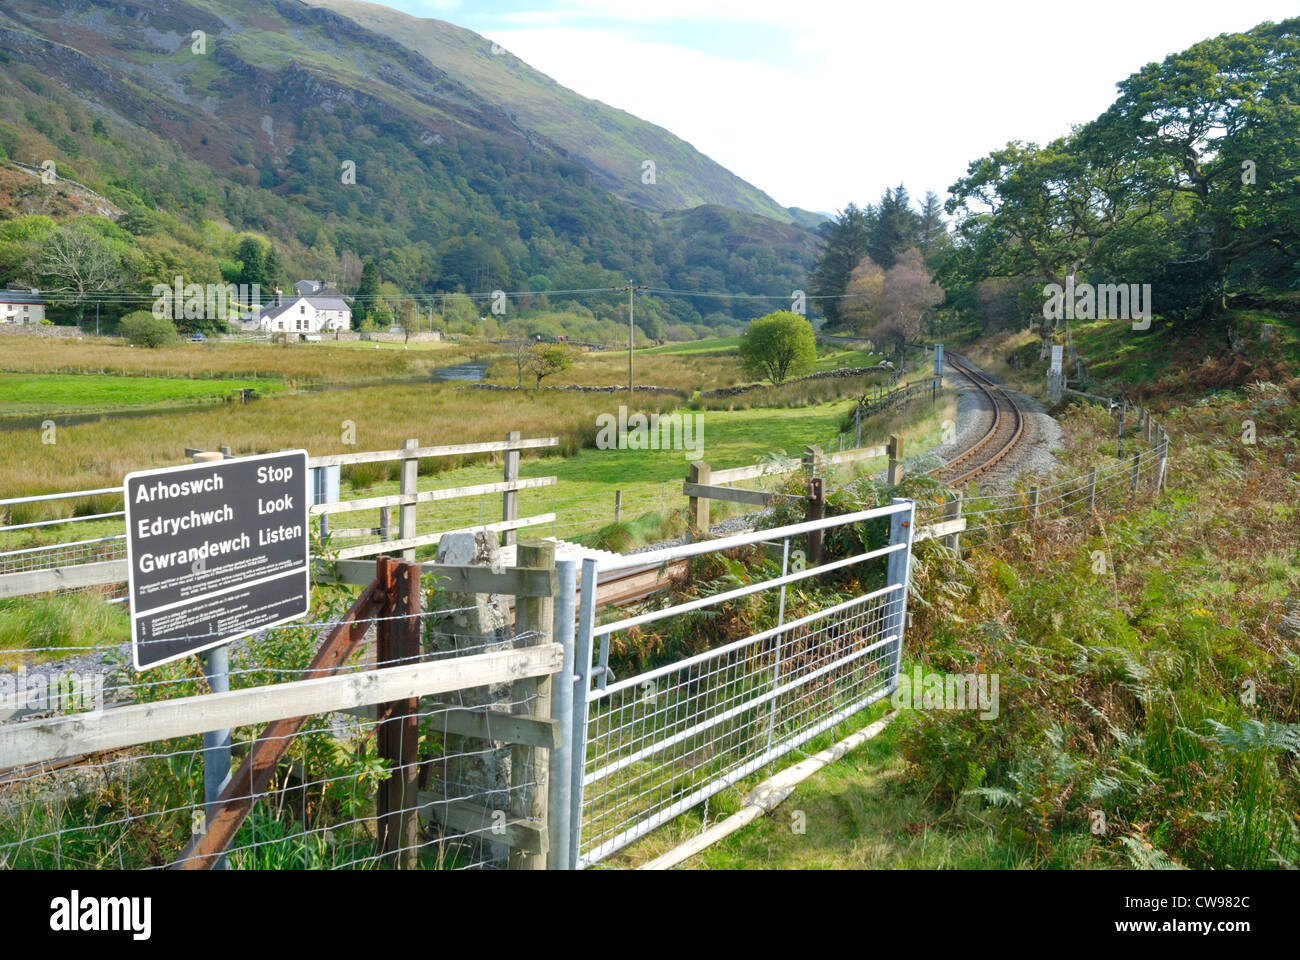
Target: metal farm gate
{"points": [[648, 747]]}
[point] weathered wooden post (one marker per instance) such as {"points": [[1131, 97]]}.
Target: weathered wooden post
{"points": [[813, 460], [816, 509], [618, 506], [1092, 490], [1162, 471], [1133, 483], [530, 765], [510, 499], [952, 511], [1033, 505], [697, 511], [397, 733], [410, 486], [895, 473]]}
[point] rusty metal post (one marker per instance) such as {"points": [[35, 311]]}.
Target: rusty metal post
{"points": [[397, 733]]}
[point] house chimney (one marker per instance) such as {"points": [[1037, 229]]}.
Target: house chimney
{"points": [[278, 291]]}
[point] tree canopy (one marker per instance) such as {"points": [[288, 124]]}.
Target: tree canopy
{"points": [[778, 346]]}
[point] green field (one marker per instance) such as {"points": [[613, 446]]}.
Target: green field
{"points": [[37, 394], [709, 345]]}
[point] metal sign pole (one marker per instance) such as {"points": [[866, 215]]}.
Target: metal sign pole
{"points": [[216, 743]]}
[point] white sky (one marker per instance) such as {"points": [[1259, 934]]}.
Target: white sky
{"points": [[821, 102]]}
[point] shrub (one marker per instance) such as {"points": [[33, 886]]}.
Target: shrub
{"points": [[143, 329]]}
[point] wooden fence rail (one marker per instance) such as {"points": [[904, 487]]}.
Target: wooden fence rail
{"points": [[405, 502]]}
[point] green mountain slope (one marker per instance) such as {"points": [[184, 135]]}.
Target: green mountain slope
{"points": [[611, 143], [259, 131]]}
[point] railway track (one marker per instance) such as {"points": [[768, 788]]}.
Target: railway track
{"points": [[1003, 434]]}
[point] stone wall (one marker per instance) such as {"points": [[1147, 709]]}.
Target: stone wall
{"points": [[42, 330]]}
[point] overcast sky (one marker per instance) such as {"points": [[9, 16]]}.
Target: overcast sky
{"points": [[820, 103]]}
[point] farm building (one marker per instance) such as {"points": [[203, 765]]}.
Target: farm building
{"points": [[315, 308], [21, 306]]}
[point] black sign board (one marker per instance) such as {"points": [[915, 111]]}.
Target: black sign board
{"points": [[214, 552]]}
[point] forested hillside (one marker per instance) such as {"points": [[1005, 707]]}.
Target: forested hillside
{"points": [[339, 146]]}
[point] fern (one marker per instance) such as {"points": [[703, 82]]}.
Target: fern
{"points": [[1252, 735], [1144, 856]]}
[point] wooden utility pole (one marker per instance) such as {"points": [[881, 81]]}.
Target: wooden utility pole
{"points": [[631, 307]]}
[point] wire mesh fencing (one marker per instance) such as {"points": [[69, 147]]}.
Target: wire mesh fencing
{"points": [[328, 771], [660, 741], [663, 741]]}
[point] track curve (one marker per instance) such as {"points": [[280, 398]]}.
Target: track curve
{"points": [[994, 444]]}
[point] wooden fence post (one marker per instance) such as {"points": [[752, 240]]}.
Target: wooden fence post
{"points": [[1033, 505], [697, 511], [895, 473], [1133, 484], [618, 506], [816, 509], [410, 486], [530, 765], [397, 734], [1162, 471], [952, 511], [510, 499], [1092, 490], [813, 462]]}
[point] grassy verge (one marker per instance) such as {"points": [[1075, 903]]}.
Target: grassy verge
{"points": [[1149, 705], [52, 625]]}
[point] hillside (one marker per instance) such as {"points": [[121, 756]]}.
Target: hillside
{"points": [[258, 131], [610, 143]]}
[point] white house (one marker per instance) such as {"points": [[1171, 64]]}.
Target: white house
{"points": [[21, 306], [315, 308]]}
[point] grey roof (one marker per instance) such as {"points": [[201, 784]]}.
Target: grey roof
{"points": [[271, 311], [323, 302], [314, 288], [21, 296]]}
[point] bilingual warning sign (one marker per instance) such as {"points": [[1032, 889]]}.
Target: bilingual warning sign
{"points": [[214, 552]]}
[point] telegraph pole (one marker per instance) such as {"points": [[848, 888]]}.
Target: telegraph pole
{"points": [[631, 299]]}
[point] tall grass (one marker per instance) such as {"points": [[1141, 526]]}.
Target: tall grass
{"points": [[296, 364], [52, 625]]}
